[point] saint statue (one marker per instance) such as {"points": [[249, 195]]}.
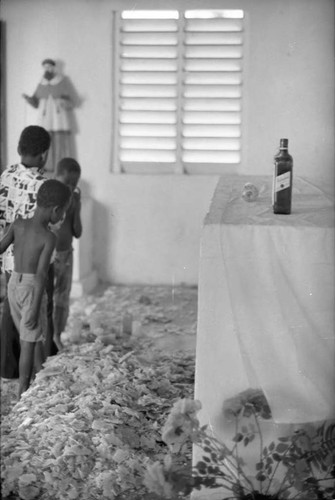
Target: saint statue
{"points": [[53, 98]]}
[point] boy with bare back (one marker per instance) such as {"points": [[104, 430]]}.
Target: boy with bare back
{"points": [[34, 244]]}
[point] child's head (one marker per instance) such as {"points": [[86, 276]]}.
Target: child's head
{"points": [[54, 196], [34, 144], [68, 172]]}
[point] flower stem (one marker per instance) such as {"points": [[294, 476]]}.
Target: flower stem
{"points": [[275, 470], [233, 471], [260, 443]]}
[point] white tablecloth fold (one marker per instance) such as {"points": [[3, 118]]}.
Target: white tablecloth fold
{"points": [[277, 273]]}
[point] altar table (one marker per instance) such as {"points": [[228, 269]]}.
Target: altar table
{"points": [[266, 302]]}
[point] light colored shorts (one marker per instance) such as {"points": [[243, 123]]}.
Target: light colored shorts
{"points": [[20, 297]]}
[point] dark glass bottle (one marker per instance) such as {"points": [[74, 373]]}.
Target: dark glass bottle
{"points": [[282, 180]]}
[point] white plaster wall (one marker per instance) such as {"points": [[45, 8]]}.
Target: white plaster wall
{"points": [[147, 228]]}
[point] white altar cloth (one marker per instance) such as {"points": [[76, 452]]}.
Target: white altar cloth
{"points": [[266, 302]]}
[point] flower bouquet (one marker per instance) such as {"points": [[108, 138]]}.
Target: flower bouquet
{"points": [[297, 466]]}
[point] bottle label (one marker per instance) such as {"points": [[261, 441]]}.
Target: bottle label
{"points": [[282, 181]]}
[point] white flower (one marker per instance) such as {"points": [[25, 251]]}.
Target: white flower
{"points": [[181, 423], [186, 406], [155, 481]]}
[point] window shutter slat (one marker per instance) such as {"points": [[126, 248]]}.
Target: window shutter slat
{"points": [[213, 51], [213, 78], [147, 143], [212, 117], [214, 38], [148, 25], [209, 130], [215, 144], [217, 91], [149, 78], [146, 38], [148, 104], [148, 155], [143, 52], [146, 117], [220, 157], [156, 64], [150, 130], [212, 105], [148, 91], [214, 24], [213, 64]]}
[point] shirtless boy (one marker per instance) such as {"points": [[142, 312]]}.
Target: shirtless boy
{"points": [[34, 244]]}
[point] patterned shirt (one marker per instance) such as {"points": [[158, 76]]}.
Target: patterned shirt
{"points": [[18, 192]]}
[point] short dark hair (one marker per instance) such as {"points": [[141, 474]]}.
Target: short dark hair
{"points": [[48, 61], [69, 165], [53, 193], [33, 141]]}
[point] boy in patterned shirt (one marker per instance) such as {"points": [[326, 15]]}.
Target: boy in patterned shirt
{"points": [[18, 191]]}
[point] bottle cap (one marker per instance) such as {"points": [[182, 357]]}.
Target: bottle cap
{"points": [[284, 143]]}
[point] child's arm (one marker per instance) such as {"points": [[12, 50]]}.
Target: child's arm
{"points": [[77, 227], [7, 239], [40, 278]]}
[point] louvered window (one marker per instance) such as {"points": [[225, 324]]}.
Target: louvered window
{"points": [[177, 91]]}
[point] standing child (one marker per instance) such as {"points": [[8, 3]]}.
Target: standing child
{"points": [[68, 172], [19, 184], [34, 244]]}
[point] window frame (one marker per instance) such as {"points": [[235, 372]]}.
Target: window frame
{"points": [[178, 167]]}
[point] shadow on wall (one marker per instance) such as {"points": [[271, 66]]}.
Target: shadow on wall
{"points": [[76, 99], [77, 102], [102, 236], [91, 249]]}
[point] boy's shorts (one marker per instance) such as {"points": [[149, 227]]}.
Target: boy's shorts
{"points": [[20, 297]]}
